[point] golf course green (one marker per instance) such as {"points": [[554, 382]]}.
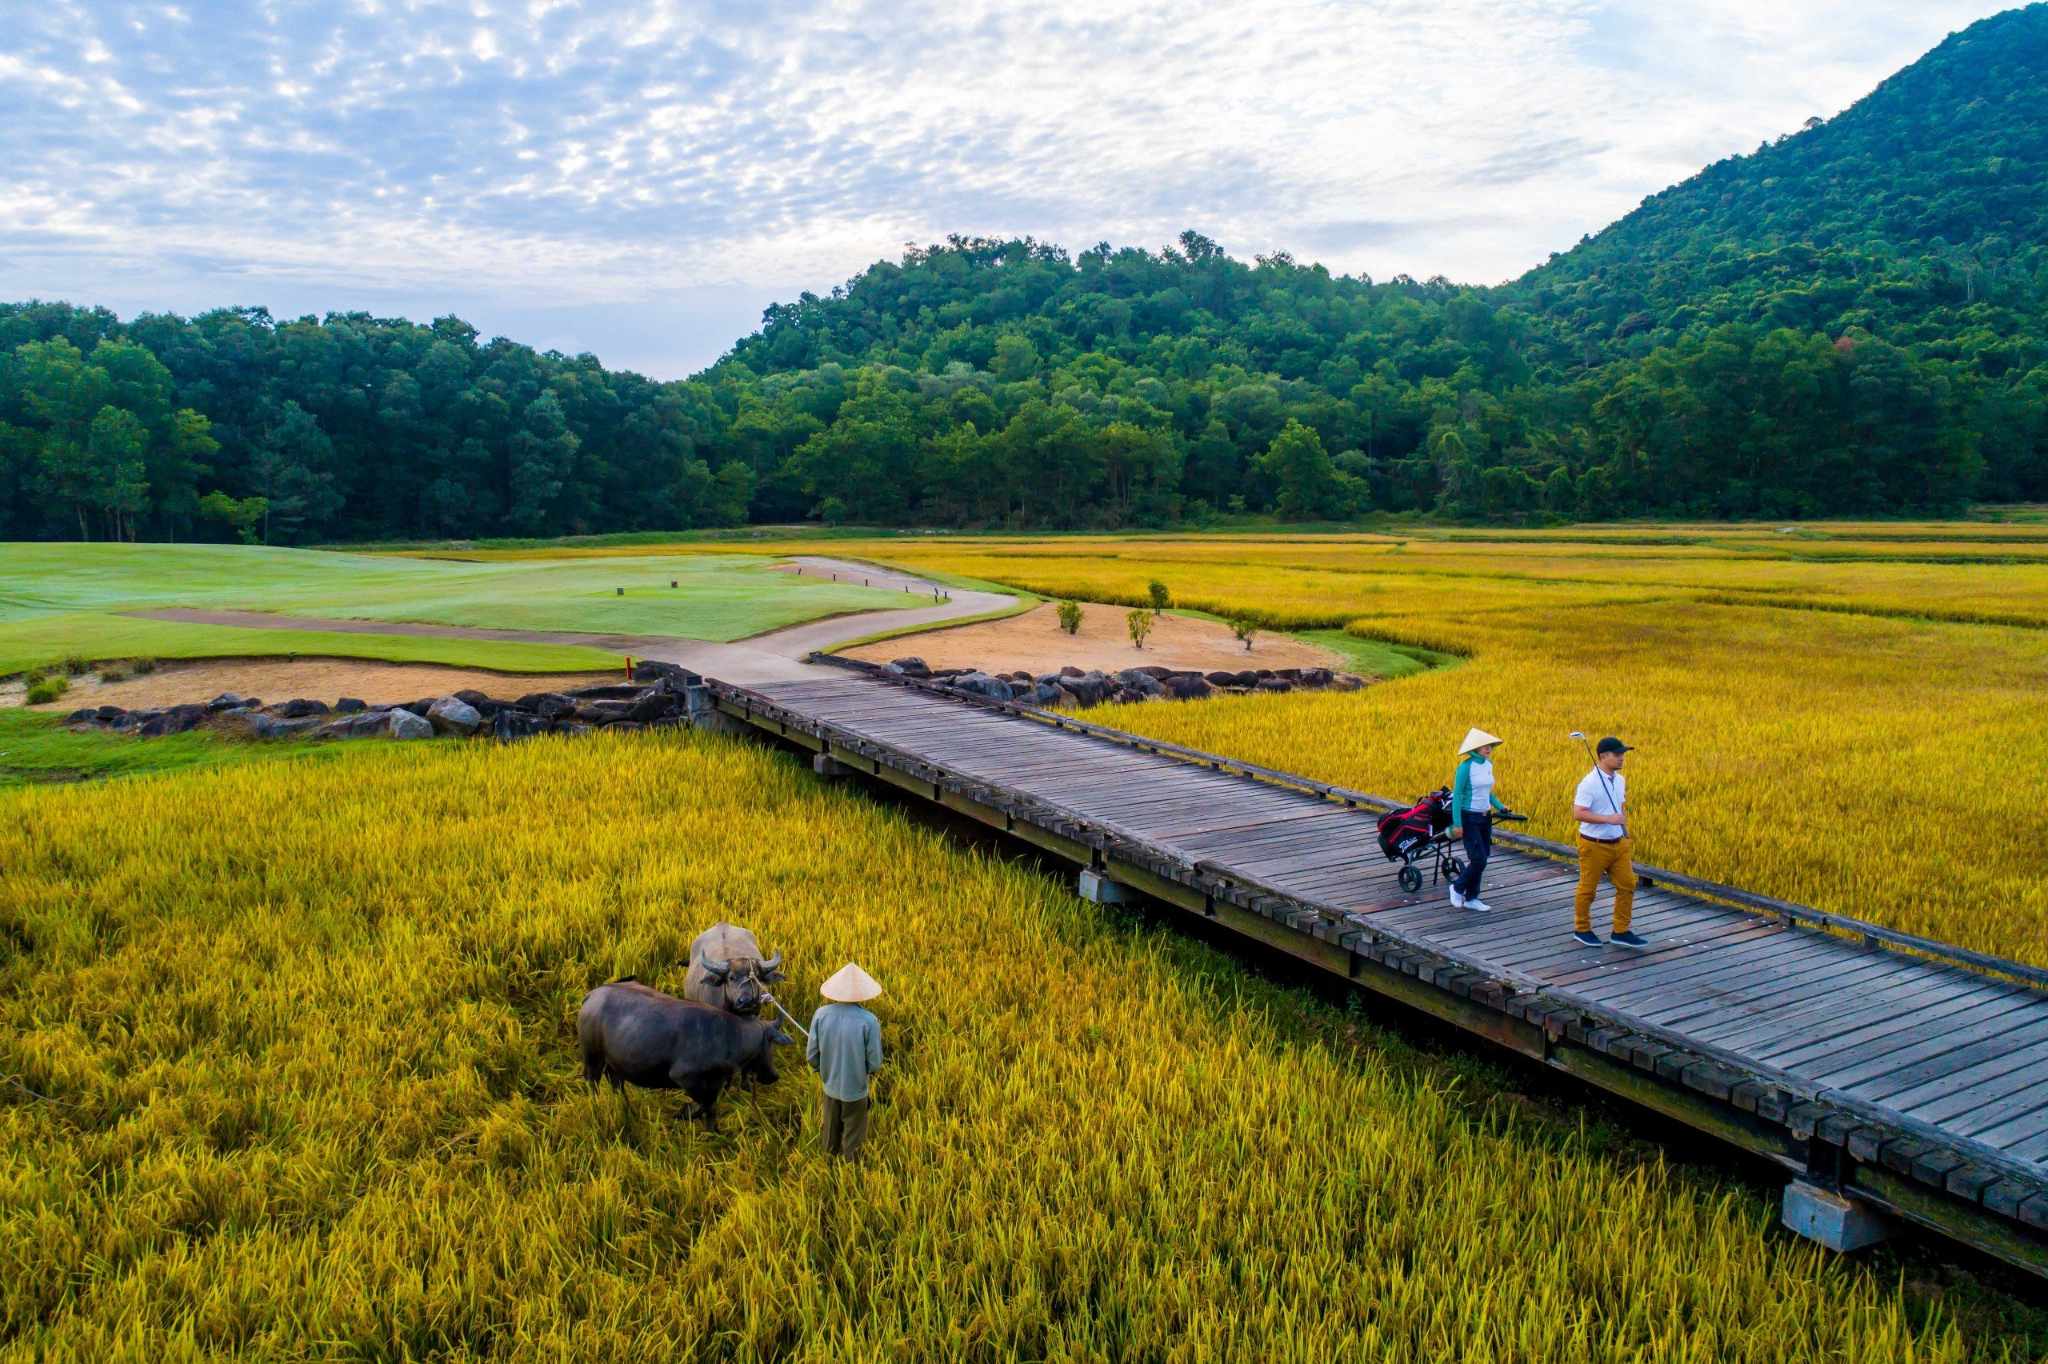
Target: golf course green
{"points": [[61, 601]]}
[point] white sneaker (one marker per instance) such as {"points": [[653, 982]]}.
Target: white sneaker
{"points": [[1479, 906], [1457, 898]]}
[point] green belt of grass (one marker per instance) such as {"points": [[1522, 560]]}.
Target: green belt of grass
{"points": [[45, 641]]}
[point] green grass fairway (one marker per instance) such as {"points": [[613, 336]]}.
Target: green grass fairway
{"points": [[40, 641], [62, 599]]}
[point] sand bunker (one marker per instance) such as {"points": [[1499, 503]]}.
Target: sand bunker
{"points": [[324, 679], [1034, 642]]}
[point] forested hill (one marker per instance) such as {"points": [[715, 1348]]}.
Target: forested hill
{"points": [[1853, 320], [1923, 209]]}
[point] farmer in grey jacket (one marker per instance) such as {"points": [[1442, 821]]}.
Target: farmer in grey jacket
{"points": [[845, 1049]]}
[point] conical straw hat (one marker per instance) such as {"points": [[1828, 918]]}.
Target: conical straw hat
{"points": [[1476, 738], [851, 986]]}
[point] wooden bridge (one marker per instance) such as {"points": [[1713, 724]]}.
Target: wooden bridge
{"points": [[1890, 1076]]}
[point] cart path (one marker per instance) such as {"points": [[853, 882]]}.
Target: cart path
{"points": [[774, 656]]}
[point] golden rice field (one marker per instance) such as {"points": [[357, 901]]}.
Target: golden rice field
{"points": [[305, 1036], [1841, 734]]}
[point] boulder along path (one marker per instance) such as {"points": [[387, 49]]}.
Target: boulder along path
{"points": [[776, 656]]}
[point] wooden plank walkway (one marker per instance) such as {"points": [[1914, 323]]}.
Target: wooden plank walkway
{"points": [[1922, 1083]]}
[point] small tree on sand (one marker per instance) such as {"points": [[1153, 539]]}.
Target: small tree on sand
{"points": [[1244, 630], [1070, 616], [1139, 623], [1161, 598]]}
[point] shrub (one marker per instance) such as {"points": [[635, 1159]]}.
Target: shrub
{"points": [[113, 675], [77, 666], [1070, 617], [142, 667], [33, 676], [1244, 629], [1139, 622], [1161, 598], [46, 691]]}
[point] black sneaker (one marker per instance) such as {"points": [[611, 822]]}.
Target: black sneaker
{"points": [[1587, 939], [1628, 939]]}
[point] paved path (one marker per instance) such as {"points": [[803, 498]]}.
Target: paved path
{"points": [[772, 657]]}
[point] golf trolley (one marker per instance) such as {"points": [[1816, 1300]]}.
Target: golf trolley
{"points": [[1421, 834]]}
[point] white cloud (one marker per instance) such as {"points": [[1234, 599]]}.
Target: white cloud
{"points": [[601, 151]]}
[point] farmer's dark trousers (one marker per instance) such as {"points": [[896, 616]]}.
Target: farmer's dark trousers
{"points": [[1478, 847], [844, 1125]]}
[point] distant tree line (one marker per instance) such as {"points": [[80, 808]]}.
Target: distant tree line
{"points": [[987, 384]]}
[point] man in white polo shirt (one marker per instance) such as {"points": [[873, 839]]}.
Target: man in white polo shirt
{"points": [[1601, 806]]}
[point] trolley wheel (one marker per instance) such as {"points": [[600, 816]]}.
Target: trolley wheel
{"points": [[1453, 868], [1411, 879]]}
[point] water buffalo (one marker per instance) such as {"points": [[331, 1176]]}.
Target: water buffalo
{"points": [[631, 1034], [727, 971]]}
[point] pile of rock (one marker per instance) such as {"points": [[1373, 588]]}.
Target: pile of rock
{"points": [[1076, 688], [653, 699]]}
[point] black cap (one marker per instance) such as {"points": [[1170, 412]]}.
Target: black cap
{"points": [[1610, 744]]}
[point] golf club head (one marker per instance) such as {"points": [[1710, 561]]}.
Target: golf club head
{"points": [[1577, 735]]}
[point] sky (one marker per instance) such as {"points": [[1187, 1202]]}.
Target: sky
{"points": [[639, 180]]}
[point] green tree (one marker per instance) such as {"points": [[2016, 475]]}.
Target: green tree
{"points": [[1307, 485]]}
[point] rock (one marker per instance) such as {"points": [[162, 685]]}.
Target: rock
{"points": [[134, 721], [406, 725], [1042, 694], [946, 674], [1188, 687], [179, 719], [358, 725], [111, 714], [297, 708], [612, 691], [1070, 699], [655, 704], [1090, 689], [1154, 671], [419, 707], [1019, 676], [1221, 679], [511, 724], [981, 684], [89, 715], [907, 667], [1347, 682], [1142, 681], [653, 670], [349, 705], [1071, 671], [546, 704], [227, 700], [627, 727], [601, 712], [450, 715], [1047, 680], [248, 724], [1315, 677], [1275, 684], [1288, 674]]}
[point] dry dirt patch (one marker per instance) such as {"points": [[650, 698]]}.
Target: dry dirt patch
{"points": [[1034, 642], [323, 679]]}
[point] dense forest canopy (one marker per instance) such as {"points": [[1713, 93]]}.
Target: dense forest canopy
{"points": [[1852, 320]]}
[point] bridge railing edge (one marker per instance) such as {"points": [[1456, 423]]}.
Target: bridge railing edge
{"points": [[1806, 916]]}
